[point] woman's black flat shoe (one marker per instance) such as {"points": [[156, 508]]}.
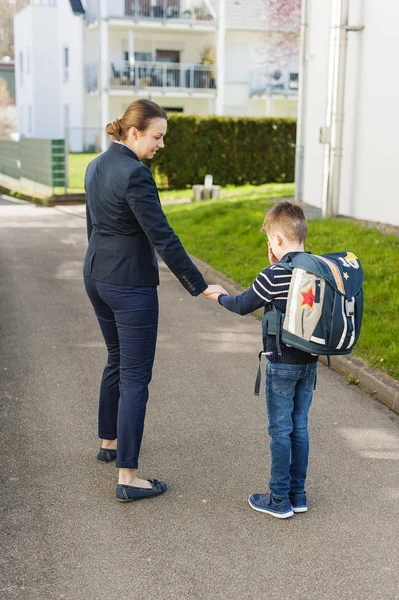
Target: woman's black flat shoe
{"points": [[127, 493], [106, 455]]}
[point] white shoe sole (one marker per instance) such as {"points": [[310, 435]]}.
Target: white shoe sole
{"points": [[302, 509], [273, 514]]}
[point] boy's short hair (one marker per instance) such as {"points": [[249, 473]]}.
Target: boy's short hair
{"points": [[289, 219]]}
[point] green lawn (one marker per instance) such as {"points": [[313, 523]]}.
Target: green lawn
{"points": [[226, 234], [77, 164]]}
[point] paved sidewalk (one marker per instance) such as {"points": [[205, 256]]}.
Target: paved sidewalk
{"points": [[65, 537]]}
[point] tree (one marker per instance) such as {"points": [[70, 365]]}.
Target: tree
{"points": [[282, 19], [8, 8], [7, 111]]}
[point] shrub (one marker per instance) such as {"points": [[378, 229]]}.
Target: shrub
{"points": [[234, 150]]}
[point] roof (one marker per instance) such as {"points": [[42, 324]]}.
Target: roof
{"points": [[263, 15], [77, 7]]}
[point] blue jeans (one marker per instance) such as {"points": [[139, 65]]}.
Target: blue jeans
{"points": [[289, 392], [128, 318]]}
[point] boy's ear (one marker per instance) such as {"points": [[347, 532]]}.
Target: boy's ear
{"points": [[279, 238]]}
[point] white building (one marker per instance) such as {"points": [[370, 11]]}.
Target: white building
{"points": [[368, 149], [79, 63]]}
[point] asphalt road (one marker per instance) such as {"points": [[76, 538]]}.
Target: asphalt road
{"points": [[63, 534]]}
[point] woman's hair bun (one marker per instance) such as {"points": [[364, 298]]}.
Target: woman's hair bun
{"points": [[114, 128]]}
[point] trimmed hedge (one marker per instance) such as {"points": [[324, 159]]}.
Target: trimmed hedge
{"points": [[234, 150]]}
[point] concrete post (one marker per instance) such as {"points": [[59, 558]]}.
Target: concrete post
{"points": [[300, 124], [104, 74], [220, 58]]}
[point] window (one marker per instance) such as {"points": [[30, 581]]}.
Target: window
{"points": [[21, 68], [293, 82], [139, 56], [173, 109], [169, 56], [66, 64]]}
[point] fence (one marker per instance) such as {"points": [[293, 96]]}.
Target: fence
{"points": [[280, 83], [37, 160], [148, 74], [189, 11]]}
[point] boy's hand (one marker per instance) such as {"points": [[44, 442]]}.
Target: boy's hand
{"points": [[272, 259], [213, 292], [214, 296]]}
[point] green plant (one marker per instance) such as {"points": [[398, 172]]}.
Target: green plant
{"points": [[235, 151], [208, 56], [351, 379]]}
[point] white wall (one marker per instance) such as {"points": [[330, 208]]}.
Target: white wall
{"points": [[38, 97], [371, 118], [316, 97], [70, 34]]}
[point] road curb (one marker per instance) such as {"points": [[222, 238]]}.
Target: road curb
{"points": [[373, 381]]}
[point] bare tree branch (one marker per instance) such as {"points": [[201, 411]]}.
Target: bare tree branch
{"points": [[283, 19], [7, 111], [8, 8]]}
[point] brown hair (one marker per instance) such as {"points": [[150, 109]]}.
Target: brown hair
{"points": [[138, 114], [289, 219]]}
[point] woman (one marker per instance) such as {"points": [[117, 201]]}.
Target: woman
{"points": [[125, 222]]}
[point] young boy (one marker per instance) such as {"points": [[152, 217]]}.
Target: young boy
{"points": [[290, 376]]}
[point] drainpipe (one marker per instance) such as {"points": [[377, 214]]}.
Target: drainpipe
{"points": [[131, 56], [221, 34], [332, 133], [104, 73], [301, 118]]}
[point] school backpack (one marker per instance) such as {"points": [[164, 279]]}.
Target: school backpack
{"points": [[324, 306]]}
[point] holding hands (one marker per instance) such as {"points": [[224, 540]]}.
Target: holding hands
{"points": [[213, 292]]}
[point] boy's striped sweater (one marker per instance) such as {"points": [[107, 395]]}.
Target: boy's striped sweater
{"points": [[269, 289]]}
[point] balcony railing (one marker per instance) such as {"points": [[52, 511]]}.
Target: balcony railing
{"points": [[43, 2], [162, 75], [178, 76], [199, 13], [260, 84]]}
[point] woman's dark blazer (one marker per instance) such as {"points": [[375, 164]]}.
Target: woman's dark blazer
{"points": [[125, 222]]}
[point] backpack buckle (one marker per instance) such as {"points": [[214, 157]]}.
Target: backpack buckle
{"points": [[350, 307]]}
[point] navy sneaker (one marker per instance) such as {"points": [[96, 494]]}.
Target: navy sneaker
{"points": [[266, 503], [106, 455], [298, 502]]}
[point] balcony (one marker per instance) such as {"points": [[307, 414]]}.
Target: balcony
{"points": [[261, 84], [155, 75], [157, 12], [43, 2]]}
